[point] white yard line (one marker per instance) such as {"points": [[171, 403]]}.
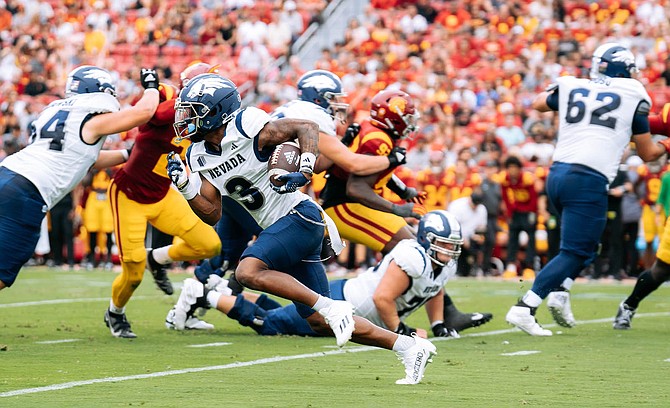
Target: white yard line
{"points": [[521, 353], [64, 301], [73, 384], [223, 343], [57, 341]]}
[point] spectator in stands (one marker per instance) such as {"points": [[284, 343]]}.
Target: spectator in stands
{"points": [[292, 19], [471, 214], [510, 134], [492, 199]]}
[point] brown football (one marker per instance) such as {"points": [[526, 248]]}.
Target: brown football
{"points": [[284, 159]]}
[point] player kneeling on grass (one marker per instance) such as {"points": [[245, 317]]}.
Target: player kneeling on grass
{"points": [[409, 276]]}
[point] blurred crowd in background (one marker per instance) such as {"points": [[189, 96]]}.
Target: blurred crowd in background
{"points": [[472, 66]]}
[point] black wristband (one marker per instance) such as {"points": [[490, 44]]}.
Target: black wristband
{"points": [[404, 329]]}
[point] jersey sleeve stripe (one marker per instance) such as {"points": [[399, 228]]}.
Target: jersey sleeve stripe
{"points": [[238, 125]]}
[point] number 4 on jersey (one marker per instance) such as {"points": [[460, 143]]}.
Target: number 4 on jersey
{"points": [[54, 130]]}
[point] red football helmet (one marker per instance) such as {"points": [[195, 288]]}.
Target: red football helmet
{"points": [[196, 68], [394, 111]]}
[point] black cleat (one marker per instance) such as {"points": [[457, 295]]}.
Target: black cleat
{"points": [[118, 325], [159, 272], [455, 319]]}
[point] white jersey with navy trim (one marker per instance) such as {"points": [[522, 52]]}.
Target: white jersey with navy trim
{"points": [[299, 109], [58, 159], [240, 170], [411, 257], [596, 118]]}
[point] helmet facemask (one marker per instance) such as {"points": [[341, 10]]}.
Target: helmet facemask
{"points": [[337, 109], [434, 249]]}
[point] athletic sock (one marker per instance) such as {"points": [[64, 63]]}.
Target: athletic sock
{"points": [[643, 287], [403, 343]]}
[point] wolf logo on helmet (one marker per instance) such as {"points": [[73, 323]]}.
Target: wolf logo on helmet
{"points": [[89, 79], [324, 89], [208, 102], [612, 60]]}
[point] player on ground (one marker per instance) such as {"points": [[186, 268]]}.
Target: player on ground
{"points": [[652, 278], [67, 139], [228, 157], [140, 193], [356, 204], [598, 118], [411, 275]]}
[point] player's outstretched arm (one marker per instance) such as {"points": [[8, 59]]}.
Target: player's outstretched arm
{"points": [[339, 154], [126, 119]]}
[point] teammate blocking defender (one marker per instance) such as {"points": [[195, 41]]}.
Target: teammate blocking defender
{"points": [[228, 157], [598, 115], [140, 193], [67, 139]]}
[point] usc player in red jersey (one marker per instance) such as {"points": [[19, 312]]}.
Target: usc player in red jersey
{"points": [[650, 177], [355, 203], [432, 180], [461, 181], [139, 193]]}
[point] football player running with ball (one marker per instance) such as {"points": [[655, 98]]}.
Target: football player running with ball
{"points": [[598, 119], [66, 142], [229, 154]]}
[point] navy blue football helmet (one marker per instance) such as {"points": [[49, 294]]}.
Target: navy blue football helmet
{"points": [[612, 60], [323, 88], [440, 226], [208, 102], [89, 79]]}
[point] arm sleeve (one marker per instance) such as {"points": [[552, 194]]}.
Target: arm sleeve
{"points": [[164, 114], [552, 100]]}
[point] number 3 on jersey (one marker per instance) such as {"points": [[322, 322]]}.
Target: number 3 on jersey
{"points": [[599, 116], [54, 130]]}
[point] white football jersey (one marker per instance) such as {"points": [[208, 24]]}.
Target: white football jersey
{"points": [[58, 159], [240, 171], [596, 118], [411, 257], [299, 109]]}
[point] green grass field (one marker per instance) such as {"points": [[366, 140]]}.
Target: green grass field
{"points": [[57, 352]]}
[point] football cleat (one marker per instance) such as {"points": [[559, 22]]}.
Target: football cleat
{"points": [[118, 325], [461, 321], [415, 359], [340, 318], [623, 317], [522, 318], [159, 272], [190, 292], [559, 306], [191, 323]]}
